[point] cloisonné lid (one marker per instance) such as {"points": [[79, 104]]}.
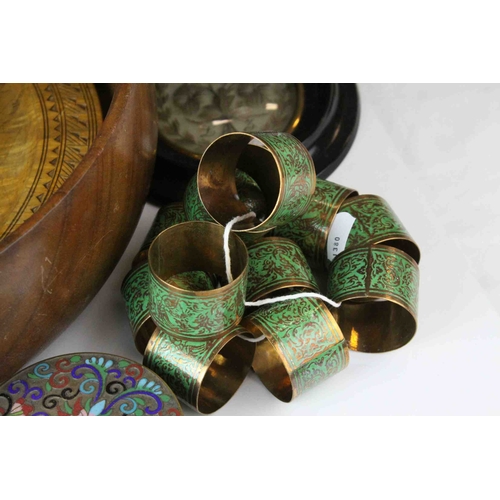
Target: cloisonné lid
{"points": [[87, 384]]}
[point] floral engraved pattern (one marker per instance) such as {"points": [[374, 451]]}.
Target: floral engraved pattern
{"points": [[321, 367], [276, 263], [396, 275], [87, 384], [376, 271], [305, 333], [348, 274], [375, 221], [189, 315], [181, 362], [192, 115], [310, 231], [298, 173], [135, 291]]}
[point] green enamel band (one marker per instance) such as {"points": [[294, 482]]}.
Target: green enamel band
{"points": [[196, 314], [283, 169], [298, 174], [377, 223], [203, 373], [193, 207], [378, 289], [187, 314], [276, 264], [135, 291], [303, 346], [310, 231]]}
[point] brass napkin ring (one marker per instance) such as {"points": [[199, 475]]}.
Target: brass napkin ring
{"points": [[377, 223], [195, 246], [285, 175], [204, 373], [378, 289], [276, 264], [135, 291], [311, 230], [303, 346]]}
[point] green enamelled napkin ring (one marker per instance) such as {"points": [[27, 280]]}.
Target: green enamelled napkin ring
{"points": [[311, 230], [377, 223], [195, 246], [276, 264], [284, 172], [135, 291], [378, 289], [188, 326], [203, 373], [303, 346]]}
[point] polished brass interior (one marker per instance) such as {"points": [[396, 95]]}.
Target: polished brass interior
{"points": [[270, 366], [196, 246], [375, 325], [216, 178], [225, 374]]}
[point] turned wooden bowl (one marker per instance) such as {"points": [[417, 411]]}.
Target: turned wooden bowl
{"points": [[54, 263]]}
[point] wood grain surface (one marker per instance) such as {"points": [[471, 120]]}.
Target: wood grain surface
{"points": [[54, 263]]}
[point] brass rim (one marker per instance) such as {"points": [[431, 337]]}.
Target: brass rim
{"points": [[388, 322], [398, 241], [169, 233], [225, 371], [201, 176], [271, 365], [144, 333]]}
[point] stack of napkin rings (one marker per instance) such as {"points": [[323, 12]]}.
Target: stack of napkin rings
{"points": [[191, 324]]}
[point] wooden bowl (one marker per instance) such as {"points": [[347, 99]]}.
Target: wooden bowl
{"points": [[53, 264]]}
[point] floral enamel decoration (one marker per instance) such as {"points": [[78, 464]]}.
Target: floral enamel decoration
{"points": [[87, 385]]}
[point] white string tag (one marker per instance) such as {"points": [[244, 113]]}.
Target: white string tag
{"points": [[258, 303]]}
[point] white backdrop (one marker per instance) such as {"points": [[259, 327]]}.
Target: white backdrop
{"points": [[432, 152]]}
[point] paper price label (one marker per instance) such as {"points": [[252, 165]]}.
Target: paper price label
{"points": [[339, 233]]}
